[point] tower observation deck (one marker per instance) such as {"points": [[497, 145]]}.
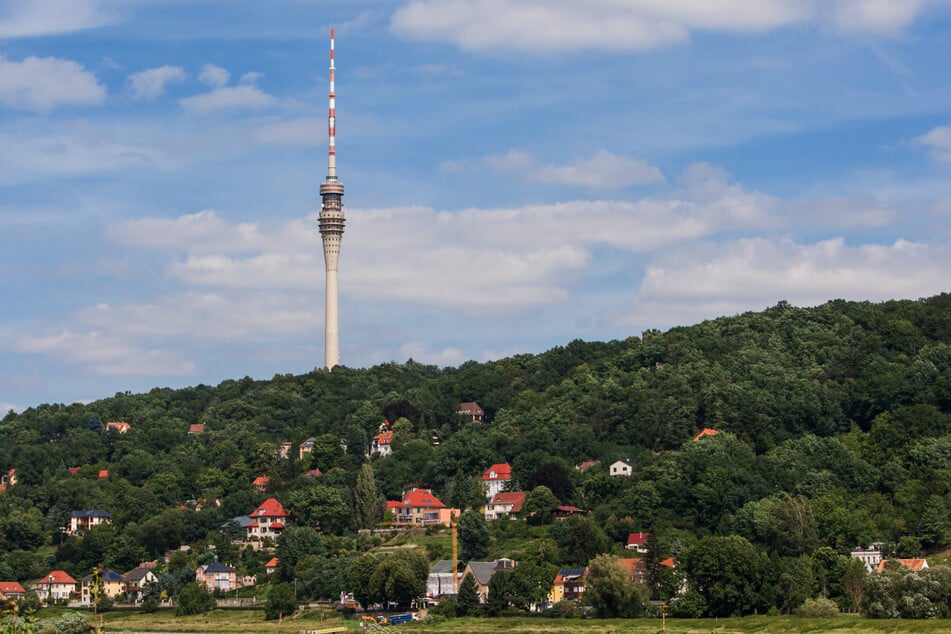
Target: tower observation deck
{"points": [[331, 224]]}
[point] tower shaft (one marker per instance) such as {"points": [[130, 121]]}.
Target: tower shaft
{"points": [[331, 224]]}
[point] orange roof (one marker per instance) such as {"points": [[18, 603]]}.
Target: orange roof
{"points": [[261, 482], [421, 498], [103, 473], [515, 498], [914, 564], [197, 428], [57, 576], [11, 587], [273, 563], [498, 472], [384, 438], [706, 431], [119, 426], [270, 508]]}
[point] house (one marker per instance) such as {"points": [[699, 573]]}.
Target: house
{"points": [[420, 506], [505, 504], [306, 447], [120, 427], [382, 444], [11, 590], [271, 566], [439, 583], [471, 412], [197, 428], [569, 585], [268, 520], [55, 586], [103, 474], [139, 576], [561, 512], [637, 567], [621, 468], [217, 576], [482, 572], [495, 478], [637, 542], [871, 556], [9, 478], [704, 433], [80, 521], [587, 464], [260, 483], [313, 473], [73, 470], [915, 564], [113, 584], [283, 450]]}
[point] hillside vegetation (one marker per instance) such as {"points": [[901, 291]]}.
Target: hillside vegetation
{"points": [[834, 431]]}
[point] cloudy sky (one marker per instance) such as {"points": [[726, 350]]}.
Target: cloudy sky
{"points": [[519, 174]]}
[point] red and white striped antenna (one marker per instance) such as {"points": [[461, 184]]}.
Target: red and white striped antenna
{"points": [[332, 123]]}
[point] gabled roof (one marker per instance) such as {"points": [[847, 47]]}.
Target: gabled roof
{"points": [[470, 407], [57, 576], [84, 514], [196, 428], [103, 473], [11, 587], [498, 472], [137, 574], [515, 498], [309, 442], [570, 574], [384, 438], [637, 539], [107, 575], [914, 564], [272, 563], [270, 508], [483, 571], [422, 498], [706, 431], [217, 566], [261, 482]]}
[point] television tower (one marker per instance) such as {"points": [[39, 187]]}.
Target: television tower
{"points": [[331, 223]]}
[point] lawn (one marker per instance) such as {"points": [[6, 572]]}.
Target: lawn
{"points": [[242, 621]]}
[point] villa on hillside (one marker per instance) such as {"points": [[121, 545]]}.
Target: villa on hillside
{"points": [[495, 478], [420, 506]]}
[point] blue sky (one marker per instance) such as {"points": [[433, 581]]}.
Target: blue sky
{"points": [[519, 174]]}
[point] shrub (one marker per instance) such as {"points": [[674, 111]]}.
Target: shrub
{"points": [[194, 599], [447, 608], [818, 609]]}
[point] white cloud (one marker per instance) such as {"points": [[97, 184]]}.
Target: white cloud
{"points": [[705, 281], [560, 26], [249, 97], [418, 352], [41, 83], [149, 84], [105, 354], [214, 76], [31, 18], [938, 140], [251, 77], [603, 170]]}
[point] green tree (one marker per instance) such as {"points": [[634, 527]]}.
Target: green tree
{"points": [[611, 591], [502, 592], [194, 599], [728, 574], [359, 576], [468, 596], [394, 581], [366, 498], [293, 545], [280, 602], [539, 504], [473, 536]]}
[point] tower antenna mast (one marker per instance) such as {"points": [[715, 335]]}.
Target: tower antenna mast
{"points": [[331, 224]]}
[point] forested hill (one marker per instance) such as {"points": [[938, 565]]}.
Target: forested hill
{"points": [[847, 405]]}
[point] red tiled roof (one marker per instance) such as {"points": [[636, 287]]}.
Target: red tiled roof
{"points": [[515, 498], [11, 587], [273, 563], [277, 524], [197, 428], [669, 562], [57, 576], [421, 498], [261, 482], [103, 473], [73, 470], [914, 564], [705, 432], [313, 473], [119, 426], [384, 438], [637, 539], [502, 472], [270, 508], [470, 407]]}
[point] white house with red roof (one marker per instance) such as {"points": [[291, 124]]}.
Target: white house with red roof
{"points": [[271, 566], [471, 411], [118, 426], [11, 590], [268, 520], [382, 444], [494, 479], [504, 504], [57, 585], [420, 506], [637, 541]]}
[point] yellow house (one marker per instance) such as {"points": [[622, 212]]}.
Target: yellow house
{"points": [[569, 585], [113, 584]]}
